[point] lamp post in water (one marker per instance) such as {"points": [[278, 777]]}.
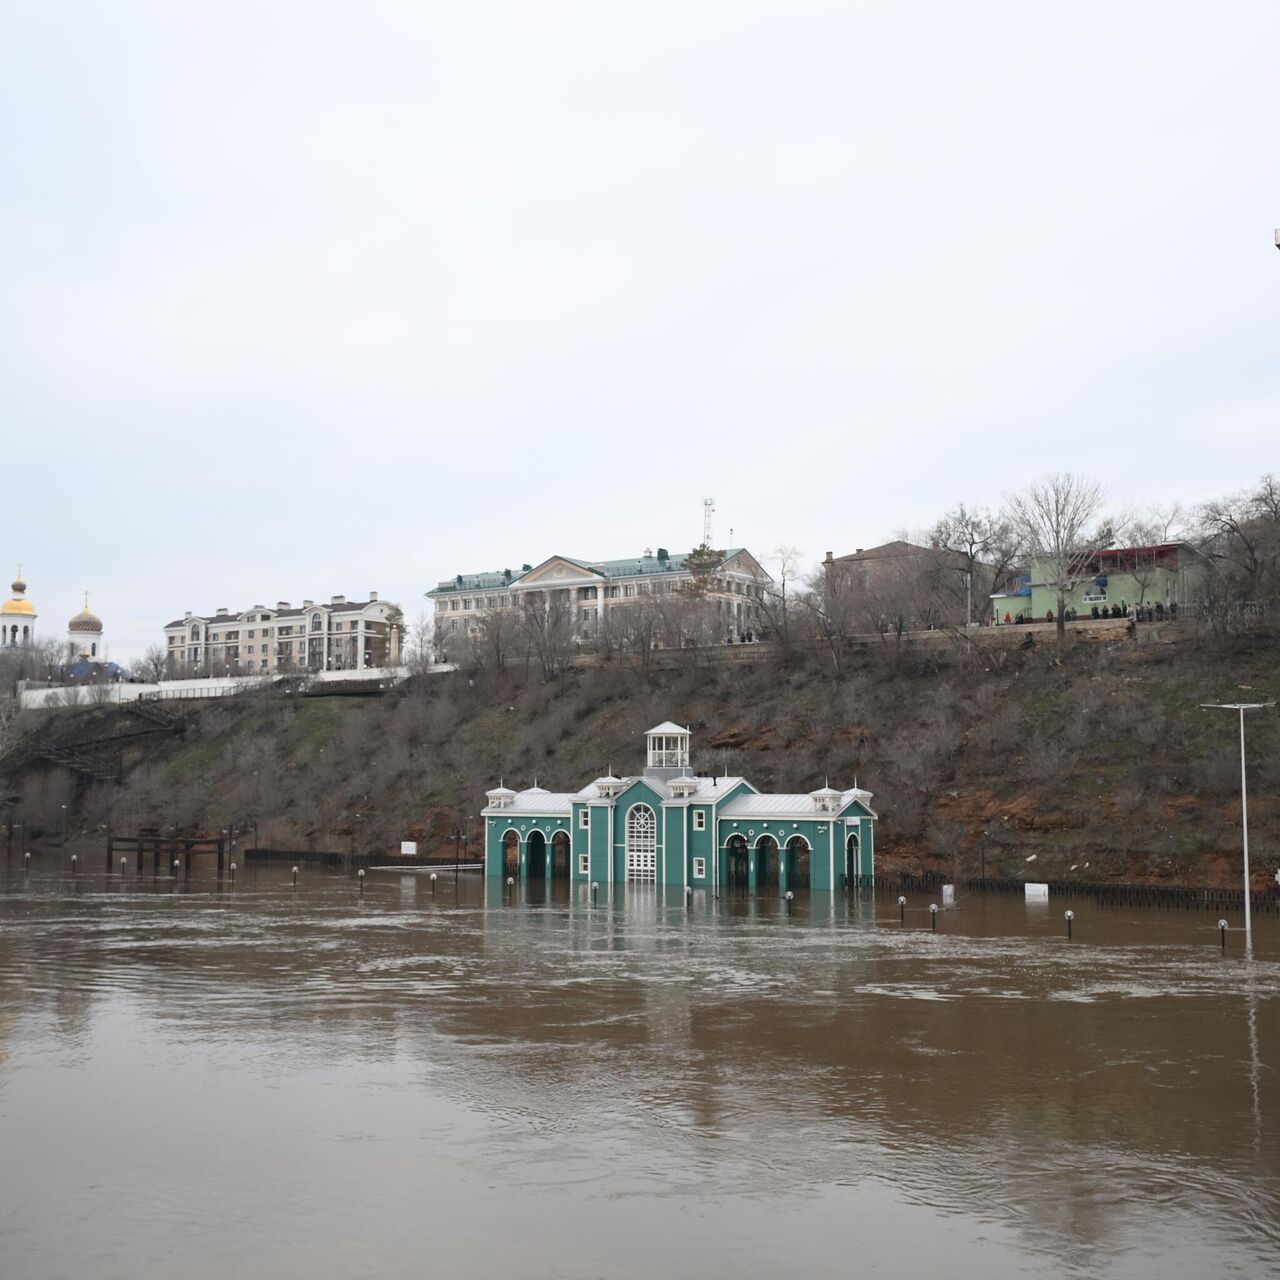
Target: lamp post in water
{"points": [[1241, 708]]}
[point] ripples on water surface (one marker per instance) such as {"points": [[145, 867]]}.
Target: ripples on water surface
{"points": [[198, 1081]]}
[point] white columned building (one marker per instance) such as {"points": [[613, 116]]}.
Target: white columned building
{"points": [[18, 617]]}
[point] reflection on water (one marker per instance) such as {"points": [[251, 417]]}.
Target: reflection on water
{"points": [[203, 1080]]}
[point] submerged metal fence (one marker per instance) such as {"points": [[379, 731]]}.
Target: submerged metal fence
{"points": [[1171, 897]]}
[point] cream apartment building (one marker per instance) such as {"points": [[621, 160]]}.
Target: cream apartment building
{"points": [[342, 635]]}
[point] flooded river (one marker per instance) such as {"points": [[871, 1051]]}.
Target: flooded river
{"points": [[206, 1080]]}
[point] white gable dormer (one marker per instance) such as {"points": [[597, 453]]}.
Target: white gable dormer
{"points": [[826, 799]]}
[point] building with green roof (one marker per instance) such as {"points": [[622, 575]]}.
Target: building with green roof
{"points": [[584, 596]]}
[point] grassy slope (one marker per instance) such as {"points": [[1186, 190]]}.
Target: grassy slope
{"points": [[1105, 760]]}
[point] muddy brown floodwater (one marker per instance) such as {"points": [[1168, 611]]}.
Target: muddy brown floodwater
{"points": [[206, 1080]]}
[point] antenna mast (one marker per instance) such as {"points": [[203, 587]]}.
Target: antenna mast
{"points": [[708, 507]]}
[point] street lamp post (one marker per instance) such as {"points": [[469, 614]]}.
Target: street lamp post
{"points": [[1241, 708]]}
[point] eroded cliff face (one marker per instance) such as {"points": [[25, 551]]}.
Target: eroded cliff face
{"points": [[1104, 764]]}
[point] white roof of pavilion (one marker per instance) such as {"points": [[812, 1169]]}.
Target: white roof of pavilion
{"points": [[537, 803], [785, 804], [707, 788], [667, 727]]}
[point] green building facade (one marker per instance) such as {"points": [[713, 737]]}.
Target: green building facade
{"points": [[669, 827], [1111, 582]]}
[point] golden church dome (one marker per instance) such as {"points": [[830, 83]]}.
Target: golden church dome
{"points": [[84, 621], [18, 607]]}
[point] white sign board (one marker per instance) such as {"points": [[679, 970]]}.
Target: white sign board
{"points": [[948, 895], [408, 848], [1037, 892]]}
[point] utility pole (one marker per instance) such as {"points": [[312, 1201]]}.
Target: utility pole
{"points": [[708, 508], [1241, 708]]}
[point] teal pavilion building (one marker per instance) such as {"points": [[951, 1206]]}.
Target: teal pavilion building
{"points": [[667, 826]]}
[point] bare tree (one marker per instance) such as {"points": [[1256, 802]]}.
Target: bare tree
{"points": [[10, 730], [499, 630], [637, 629], [780, 604], [1145, 536], [829, 605], [1058, 522], [989, 544], [546, 624], [1240, 538], [154, 666]]}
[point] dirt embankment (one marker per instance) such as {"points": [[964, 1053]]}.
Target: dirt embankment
{"points": [[1102, 766]]}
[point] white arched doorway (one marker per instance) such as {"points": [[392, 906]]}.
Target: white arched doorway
{"points": [[642, 844]]}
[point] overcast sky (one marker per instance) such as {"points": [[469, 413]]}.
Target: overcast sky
{"points": [[298, 299]]}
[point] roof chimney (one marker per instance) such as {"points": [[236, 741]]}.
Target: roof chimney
{"points": [[373, 595], [282, 604], [221, 611], [338, 600]]}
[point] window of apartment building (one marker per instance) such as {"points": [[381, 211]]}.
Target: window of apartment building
{"points": [[263, 664], [699, 868], [453, 604], [629, 589], [173, 639], [699, 819], [584, 819], [248, 648], [250, 635], [316, 621], [613, 593], [337, 626], [584, 864]]}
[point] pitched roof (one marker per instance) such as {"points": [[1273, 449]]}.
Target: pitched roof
{"points": [[537, 803], [227, 619], [707, 789], [784, 804], [667, 727], [898, 549], [631, 567]]}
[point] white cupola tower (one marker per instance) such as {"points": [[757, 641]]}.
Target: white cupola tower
{"points": [[18, 617], [668, 751]]}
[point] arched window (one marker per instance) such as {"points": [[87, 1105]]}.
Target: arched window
{"points": [[195, 633], [642, 844]]}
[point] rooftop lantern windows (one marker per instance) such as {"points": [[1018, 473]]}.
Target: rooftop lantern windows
{"points": [[668, 747]]}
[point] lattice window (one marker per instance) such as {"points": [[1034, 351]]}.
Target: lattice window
{"points": [[642, 844]]}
